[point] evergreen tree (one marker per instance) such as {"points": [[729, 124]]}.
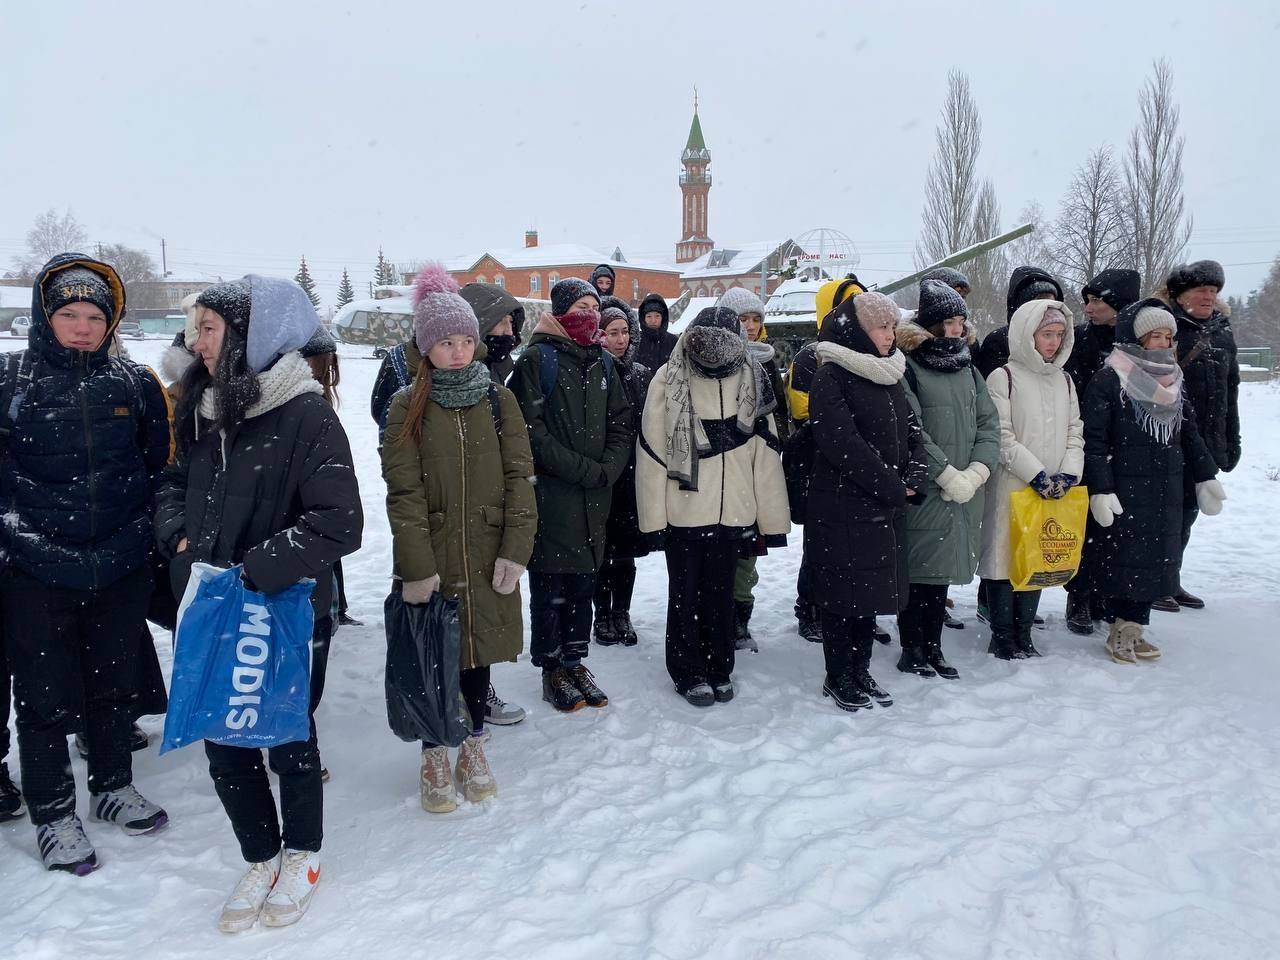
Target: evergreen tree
{"points": [[384, 274], [346, 293], [303, 279]]}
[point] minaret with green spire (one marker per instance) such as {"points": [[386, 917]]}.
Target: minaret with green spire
{"points": [[695, 184]]}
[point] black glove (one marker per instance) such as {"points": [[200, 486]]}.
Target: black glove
{"points": [[1063, 482], [1042, 485]]}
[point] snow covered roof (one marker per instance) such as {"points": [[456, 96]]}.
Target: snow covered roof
{"points": [[696, 306], [731, 261], [551, 255]]}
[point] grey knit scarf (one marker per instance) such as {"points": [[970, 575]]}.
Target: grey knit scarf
{"points": [[1151, 381], [464, 387]]}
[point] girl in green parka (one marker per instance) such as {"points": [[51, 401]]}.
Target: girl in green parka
{"points": [[962, 442], [461, 507]]}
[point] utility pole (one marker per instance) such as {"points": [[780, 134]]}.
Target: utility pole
{"points": [[164, 259]]}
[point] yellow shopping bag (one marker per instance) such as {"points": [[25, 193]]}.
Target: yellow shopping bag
{"points": [[1046, 537]]}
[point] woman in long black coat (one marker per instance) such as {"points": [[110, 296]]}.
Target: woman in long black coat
{"points": [[616, 580], [869, 464], [1139, 433]]}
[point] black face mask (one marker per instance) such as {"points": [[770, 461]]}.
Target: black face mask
{"points": [[500, 347]]}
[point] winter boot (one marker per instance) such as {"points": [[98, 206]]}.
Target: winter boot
{"points": [[935, 659], [949, 621], [881, 634], [1024, 616], [500, 713], [604, 630], [623, 628], [1120, 641], [290, 897], [11, 805], [242, 908], [846, 692], [1143, 648], [1166, 605], [128, 809], [1189, 600], [874, 690], [913, 660], [64, 846], [347, 620], [559, 690], [435, 788], [1079, 615], [723, 691], [699, 694], [742, 639], [1001, 645], [807, 622], [473, 773], [585, 682]]}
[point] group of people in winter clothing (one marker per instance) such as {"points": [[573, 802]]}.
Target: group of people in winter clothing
{"points": [[566, 453]]}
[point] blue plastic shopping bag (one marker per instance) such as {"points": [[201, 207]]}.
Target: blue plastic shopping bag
{"points": [[241, 663]]}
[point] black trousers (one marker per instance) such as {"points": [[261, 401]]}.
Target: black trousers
{"points": [[75, 657], [6, 687], [1135, 611], [1012, 612], [240, 780], [700, 614], [475, 690], [559, 617], [1189, 515], [615, 584], [846, 643], [920, 624]]}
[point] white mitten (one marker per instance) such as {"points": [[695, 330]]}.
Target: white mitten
{"points": [[956, 485], [978, 473], [506, 575], [419, 591], [1105, 507], [1209, 495]]}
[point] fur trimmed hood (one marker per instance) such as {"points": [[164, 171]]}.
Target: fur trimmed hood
{"points": [[910, 335]]}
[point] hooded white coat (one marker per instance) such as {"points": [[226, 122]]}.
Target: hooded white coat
{"points": [[1040, 427]]}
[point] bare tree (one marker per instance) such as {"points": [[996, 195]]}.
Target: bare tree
{"points": [[952, 187], [131, 263], [988, 273], [1034, 248], [1157, 226], [49, 236], [1088, 235]]}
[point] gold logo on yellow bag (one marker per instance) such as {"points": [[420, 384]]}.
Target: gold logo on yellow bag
{"points": [[1056, 542]]}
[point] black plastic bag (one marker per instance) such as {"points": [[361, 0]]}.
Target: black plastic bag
{"points": [[424, 695]]}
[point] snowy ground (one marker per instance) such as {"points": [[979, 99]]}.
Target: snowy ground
{"points": [[1063, 808]]}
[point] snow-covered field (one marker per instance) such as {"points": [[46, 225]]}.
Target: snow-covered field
{"points": [[1062, 808]]}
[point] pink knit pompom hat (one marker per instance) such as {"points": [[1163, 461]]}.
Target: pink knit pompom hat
{"points": [[439, 311]]}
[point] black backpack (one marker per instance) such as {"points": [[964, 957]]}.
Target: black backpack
{"points": [[798, 454]]}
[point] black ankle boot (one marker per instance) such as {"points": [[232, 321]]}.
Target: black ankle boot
{"points": [[623, 628], [1079, 614], [742, 639], [935, 659]]}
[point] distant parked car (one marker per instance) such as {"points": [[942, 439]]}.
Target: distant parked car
{"points": [[20, 327], [129, 328]]}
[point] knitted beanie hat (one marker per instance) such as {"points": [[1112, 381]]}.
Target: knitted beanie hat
{"points": [[741, 301], [439, 310], [230, 300], [938, 303], [1153, 318], [321, 342], [1051, 316], [873, 310], [569, 291], [610, 314], [78, 285], [952, 277], [1202, 273], [718, 316]]}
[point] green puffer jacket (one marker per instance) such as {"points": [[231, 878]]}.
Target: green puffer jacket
{"points": [[582, 440], [961, 426], [458, 500]]}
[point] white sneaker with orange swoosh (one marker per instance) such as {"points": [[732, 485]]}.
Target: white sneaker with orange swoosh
{"points": [[299, 875]]}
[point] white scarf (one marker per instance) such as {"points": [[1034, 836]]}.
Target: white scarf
{"points": [[290, 377], [885, 371]]}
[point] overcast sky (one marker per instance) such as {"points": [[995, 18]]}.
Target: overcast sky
{"points": [[247, 134]]}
